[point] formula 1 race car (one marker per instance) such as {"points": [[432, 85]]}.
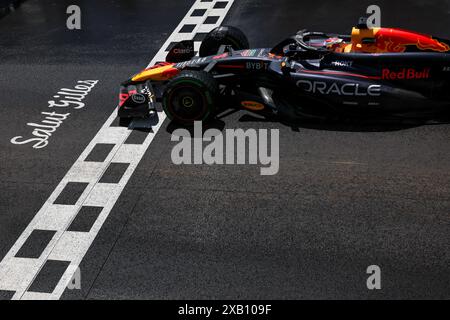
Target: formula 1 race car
{"points": [[373, 71]]}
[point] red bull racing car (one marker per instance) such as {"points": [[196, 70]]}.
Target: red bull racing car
{"points": [[372, 71]]}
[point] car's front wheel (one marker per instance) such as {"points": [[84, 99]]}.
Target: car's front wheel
{"points": [[191, 96]]}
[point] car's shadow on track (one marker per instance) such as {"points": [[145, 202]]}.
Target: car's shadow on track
{"points": [[214, 124], [380, 124], [351, 125]]}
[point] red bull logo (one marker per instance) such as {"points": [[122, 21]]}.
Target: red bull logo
{"points": [[405, 74], [397, 41], [433, 45]]}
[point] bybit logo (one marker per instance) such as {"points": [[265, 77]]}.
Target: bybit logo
{"points": [[256, 65]]}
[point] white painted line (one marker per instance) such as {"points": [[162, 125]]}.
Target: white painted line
{"points": [[17, 274]]}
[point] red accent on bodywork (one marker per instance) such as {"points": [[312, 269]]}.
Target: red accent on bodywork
{"points": [[159, 64], [338, 73], [168, 74], [232, 66], [220, 56], [123, 96]]}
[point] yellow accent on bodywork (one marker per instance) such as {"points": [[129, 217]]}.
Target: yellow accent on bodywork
{"points": [[357, 38], [359, 34], [156, 74]]}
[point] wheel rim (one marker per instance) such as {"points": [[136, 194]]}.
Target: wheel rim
{"points": [[187, 103]]}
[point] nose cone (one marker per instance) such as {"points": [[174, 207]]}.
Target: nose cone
{"points": [[160, 73]]}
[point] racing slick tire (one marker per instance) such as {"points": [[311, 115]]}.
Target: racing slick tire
{"points": [[224, 35], [191, 96]]}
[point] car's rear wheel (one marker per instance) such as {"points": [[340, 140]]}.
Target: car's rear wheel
{"points": [[191, 96], [224, 35]]}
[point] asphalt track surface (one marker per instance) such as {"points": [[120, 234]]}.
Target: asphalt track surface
{"points": [[346, 196]]}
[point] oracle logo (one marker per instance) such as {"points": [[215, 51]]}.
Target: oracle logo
{"points": [[346, 89]]}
